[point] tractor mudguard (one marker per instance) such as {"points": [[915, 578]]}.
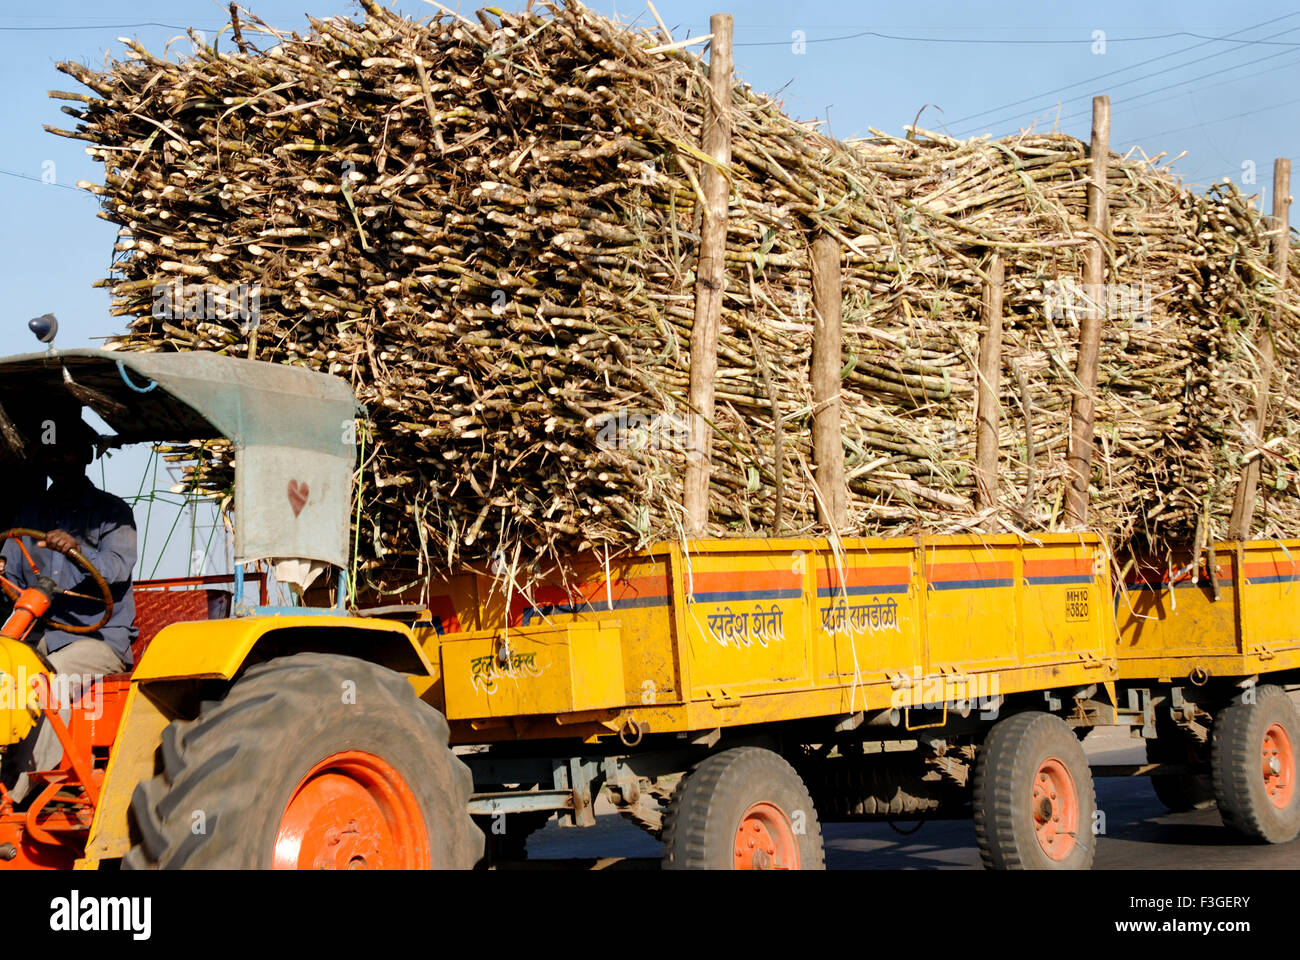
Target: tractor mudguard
{"points": [[217, 650]]}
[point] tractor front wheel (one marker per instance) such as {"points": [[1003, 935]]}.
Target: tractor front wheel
{"points": [[312, 761]]}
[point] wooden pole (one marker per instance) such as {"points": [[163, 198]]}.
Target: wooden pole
{"points": [[827, 359], [986, 406], [1243, 502], [710, 278], [1083, 409]]}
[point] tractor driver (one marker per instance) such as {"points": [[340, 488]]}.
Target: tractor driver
{"points": [[76, 516]]}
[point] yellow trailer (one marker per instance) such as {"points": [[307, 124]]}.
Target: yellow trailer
{"points": [[724, 633], [865, 670], [1208, 645]]}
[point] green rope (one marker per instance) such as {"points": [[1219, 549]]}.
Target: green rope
{"points": [[163, 550], [151, 471]]}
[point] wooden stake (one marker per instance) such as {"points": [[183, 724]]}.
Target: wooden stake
{"points": [[827, 359], [710, 278], [1083, 409], [1243, 502], [990, 366]]}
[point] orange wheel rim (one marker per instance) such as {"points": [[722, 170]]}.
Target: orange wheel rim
{"points": [[1279, 766], [765, 840], [352, 811], [1055, 805]]}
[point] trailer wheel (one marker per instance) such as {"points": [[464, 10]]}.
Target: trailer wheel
{"points": [[742, 809], [1253, 760], [1033, 796], [310, 761]]}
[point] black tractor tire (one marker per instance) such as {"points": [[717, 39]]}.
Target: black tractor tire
{"points": [[1237, 765], [1008, 766], [741, 784], [1179, 792], [235, 767]]}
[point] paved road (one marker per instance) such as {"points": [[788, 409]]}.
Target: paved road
{"points": [[1140, 835]]}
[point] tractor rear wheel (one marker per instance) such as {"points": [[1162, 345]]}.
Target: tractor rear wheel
{"points": [[1033, 796], [742, 809], [1253, 759], [309, 761]]}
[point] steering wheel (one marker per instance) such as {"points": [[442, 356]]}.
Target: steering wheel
{"points": [[105, 597]]}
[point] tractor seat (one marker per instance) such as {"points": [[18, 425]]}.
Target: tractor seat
{"points": [[161, 606]]}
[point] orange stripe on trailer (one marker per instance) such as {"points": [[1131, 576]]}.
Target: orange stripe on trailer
{"points": [[1065, 566], [592, 595], [595, 590], [710, 581], [1064, 570], [729, 586], [1271, 571], [973, 575], [862, 576]]}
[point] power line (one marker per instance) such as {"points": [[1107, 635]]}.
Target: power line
{"points": [[1124, 83], [1111, 73], [1206, 76], [1233, 116], [104, 26], [1208, 86], [963, 40], [48, 183]]}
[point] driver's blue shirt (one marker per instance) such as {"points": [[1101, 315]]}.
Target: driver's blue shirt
{"points": [[105, 532]]}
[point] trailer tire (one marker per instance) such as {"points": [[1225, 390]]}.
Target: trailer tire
{"points": [[1253, 760], [1033, 796], [311, 760], [742, 809]]}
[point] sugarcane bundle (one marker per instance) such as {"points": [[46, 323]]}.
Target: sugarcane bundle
{"points": [[491, 228]]}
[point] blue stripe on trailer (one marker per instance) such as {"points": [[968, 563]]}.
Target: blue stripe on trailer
{"points": [[862, 591], [971, 584], [731, 596]]}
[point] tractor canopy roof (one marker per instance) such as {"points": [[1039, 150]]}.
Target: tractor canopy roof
{"points": [[292, 431]]}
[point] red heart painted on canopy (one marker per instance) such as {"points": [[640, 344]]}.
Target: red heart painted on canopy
{"points": [[298, 492]]}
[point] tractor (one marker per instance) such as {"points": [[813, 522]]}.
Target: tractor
{"points": [[246, 735]]}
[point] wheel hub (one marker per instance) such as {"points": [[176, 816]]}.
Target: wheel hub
{"points": [[352, 811], [765, 840], [1055, 804], [1278, 766]]}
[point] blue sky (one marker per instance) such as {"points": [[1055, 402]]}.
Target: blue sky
{"points": [[1216, 80]]}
